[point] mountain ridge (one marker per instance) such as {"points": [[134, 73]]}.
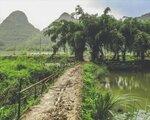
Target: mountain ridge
{"points": [[16, 29], [66, 16], [145, 16]]}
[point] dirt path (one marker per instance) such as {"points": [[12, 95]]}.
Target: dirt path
{"points": [[62, 102]]}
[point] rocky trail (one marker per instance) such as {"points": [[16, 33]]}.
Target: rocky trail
{"points": [[62, 101]]}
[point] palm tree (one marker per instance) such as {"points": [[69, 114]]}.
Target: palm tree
{"points": [[106, 25], [99, 33], [67, 32], [91, 30], [117, 43], [141, 44], [107, 10]]}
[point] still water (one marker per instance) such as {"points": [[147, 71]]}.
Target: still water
{"points": [[132, 83]]}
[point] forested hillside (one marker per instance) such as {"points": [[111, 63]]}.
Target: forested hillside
{"points": [[17, 33], [16, 29], [66, 16], [145, 16]]}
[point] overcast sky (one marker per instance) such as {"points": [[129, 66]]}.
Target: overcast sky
{"points": [[42, 12]]}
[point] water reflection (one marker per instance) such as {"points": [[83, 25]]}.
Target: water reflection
{"points": [[137, 84]]}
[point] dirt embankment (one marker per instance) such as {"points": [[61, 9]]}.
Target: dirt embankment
{"points": [[62, 101]]}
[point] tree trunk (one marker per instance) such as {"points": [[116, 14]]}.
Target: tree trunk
{"points": [[114, 57], [95, 53], [118, 57], [124, 55], [79, 55], [101, 54], [142, 56]]}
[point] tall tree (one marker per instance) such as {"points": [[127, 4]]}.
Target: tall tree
{"points": [[90, 23], [117, 43], [128, 29], [141, 44], [67, 32], [100, 33]]}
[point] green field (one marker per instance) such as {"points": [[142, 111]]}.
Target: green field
{"points": [[28, 70]]}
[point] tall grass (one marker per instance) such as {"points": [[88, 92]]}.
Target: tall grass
{"points": [[91, 90]]}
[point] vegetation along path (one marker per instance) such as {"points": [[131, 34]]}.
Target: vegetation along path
{"points": [[62, 102]]}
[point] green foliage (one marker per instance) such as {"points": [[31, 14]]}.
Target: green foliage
{"points": [[28, 69], [105, 105], [12, 70], [141, 44], [67, 32], [101, 33], [91, 91], [7, 112]]}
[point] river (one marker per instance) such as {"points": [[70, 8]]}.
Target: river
{"points": [[133, 83]]}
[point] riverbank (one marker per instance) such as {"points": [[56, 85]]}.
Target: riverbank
{"points": [[90, 90], [99, 101], [128, 65]]}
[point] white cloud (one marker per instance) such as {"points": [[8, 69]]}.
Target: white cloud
{"points": [[97, 6], [42, 12]]}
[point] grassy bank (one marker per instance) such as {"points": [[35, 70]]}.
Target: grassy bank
{"points": [[128, 65], [101, 104], [91, 89]]}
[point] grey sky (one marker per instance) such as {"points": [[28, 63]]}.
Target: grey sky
{"points": [[125, 7], [42, 12]]}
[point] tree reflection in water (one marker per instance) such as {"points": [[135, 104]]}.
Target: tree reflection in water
{"points": [[134, 83]]}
